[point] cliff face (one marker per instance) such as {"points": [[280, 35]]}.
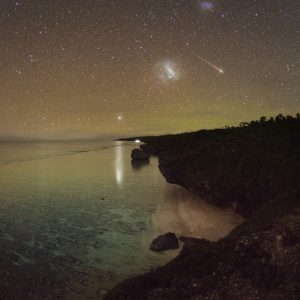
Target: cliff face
{"points": [[254, 170], [261, 265], [242, 168]]}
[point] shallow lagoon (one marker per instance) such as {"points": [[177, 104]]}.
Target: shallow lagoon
{"points": [[84, 216]]}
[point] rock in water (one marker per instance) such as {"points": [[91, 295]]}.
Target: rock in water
{"points": [[165, 242], [137, 154]]}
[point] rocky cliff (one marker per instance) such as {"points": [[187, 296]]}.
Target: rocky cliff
{"points": [[254, 170]]}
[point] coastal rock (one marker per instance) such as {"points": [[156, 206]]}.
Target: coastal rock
{"points": [[255, 171], [139, 164], [165, 242], [149, 148], [248, 266], [137, 154], [192, 241]]}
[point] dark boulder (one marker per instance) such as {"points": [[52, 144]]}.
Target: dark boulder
{"points": [[165, 242], [139, 164], [137, 154]]}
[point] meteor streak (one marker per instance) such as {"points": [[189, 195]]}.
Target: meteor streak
{"points": [[221, 71]]}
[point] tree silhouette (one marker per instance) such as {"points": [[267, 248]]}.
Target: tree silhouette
{"points": [[263, 120]]}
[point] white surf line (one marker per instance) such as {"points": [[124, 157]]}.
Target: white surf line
{"points": [[69, 153]]}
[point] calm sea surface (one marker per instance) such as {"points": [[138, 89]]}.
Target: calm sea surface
{"points": [[83, 208]]}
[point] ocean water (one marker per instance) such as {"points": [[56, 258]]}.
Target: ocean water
{"points": [[82, 210]]}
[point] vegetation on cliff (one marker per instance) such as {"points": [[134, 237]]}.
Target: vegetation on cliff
{"points": [[254, 169]]}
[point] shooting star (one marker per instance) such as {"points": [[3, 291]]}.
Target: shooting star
{"points": [[221, 71]]}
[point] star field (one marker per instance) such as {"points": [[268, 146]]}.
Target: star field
{"points": [[79, 69]]}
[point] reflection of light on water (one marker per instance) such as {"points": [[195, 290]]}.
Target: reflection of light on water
{"points": [[119, 167]]}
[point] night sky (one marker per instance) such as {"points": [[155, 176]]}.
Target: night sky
{"points": [[80, 69]]}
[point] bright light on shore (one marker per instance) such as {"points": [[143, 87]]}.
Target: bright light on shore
{"points": [[137, 141]]}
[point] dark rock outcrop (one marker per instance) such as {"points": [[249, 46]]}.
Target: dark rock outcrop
{"points": [[192, 241], [254, 170], [149, 148], [258, 265], [137, 154], [139, 164], [165, 242], [239, 168]]}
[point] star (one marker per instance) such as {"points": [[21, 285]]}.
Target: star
{"points": [[123, 69]]}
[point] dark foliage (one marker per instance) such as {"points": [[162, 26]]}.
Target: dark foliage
{"points": [[255, 169]]}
